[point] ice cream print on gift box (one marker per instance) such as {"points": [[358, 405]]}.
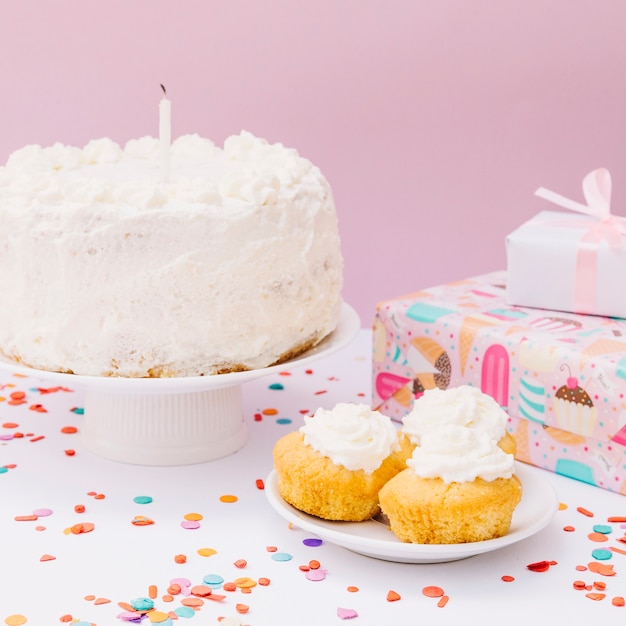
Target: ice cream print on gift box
{"points": [[561, 377]]}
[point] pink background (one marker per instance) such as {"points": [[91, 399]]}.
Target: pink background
{"points": [[434, 121]]}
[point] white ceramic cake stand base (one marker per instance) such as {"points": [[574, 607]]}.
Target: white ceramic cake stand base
{"points": [[175, 421]]}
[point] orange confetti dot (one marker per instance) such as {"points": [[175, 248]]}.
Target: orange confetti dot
{"points": [[66, 618], [569, 529], [89, 598], [15, 620], [240, 563], [229, 587], [269, 411], [192, 602], [618, 601], [174, 589], [167, 598], [352, 589], [69, 430], [584, 511], [595, 596], [228, 498], [242, 608], [180, 558], [597, 537], [70, 452], [17, 395], [313, 564], [599, 585], [264, 581], [616, 519], [432, 591], [79, 508], [152, 591], [201, 590], [579, 584], [393, 596], [47, 557], [193, 517], [508, 579], [442, 601], [99, 496], [10, 425], [260, 484], [272, 549], [99, 601]]}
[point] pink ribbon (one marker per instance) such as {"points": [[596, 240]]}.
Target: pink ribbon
{"points": [[609, 228]]}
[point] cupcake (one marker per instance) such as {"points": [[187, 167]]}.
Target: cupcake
{"points": [[462, 406], [459, 487], [573, 408], [334, 466]]}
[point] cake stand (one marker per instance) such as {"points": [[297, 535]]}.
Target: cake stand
{"points": [[175, 421]]}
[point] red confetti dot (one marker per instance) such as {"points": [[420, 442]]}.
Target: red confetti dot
{"points": [[508, 579]]}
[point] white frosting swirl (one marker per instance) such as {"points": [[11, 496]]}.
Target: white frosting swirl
{"points": [[458, 454], [463, 406], [351, 435]]}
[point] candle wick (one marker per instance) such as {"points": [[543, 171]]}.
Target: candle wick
{"points": [[163, 88]]}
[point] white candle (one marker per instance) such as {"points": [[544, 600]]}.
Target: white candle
{"points": [[165, 135]]}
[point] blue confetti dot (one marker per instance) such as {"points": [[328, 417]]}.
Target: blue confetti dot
{"points": [[78, 410], [276, 386], [3, 470], [184, 611], [142, 604], [602, 528], [601, 555], [214, 581], [281, 556], [284, 420], [142, 499]]}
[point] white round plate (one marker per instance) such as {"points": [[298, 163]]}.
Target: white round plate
{"points": [[374, 538], [347, 329]]}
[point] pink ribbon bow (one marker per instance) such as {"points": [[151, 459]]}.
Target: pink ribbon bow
{"points": [[608, 227]]}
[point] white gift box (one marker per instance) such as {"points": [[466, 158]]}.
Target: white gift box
{"points": [[574, 262]]}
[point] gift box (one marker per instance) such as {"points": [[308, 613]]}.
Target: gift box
{"points": [[561, 377], [571, 261]]}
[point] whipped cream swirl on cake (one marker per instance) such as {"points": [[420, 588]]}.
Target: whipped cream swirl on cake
{"points": [[351, 435], [462, 406], [458, 454], [233, 264]]}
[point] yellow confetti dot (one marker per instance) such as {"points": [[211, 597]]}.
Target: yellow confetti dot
{"points": [[193, 517], [156, 617], [245, 583], [562, 506], [15, 620], [206, 551], [228, 498]]}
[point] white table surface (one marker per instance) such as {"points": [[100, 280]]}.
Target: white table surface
{"points": [[118, 561]]}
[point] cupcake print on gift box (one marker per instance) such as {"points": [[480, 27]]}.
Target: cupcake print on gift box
{"points": [[574, 408]]}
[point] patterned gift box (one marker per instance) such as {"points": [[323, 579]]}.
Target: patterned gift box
{"points": [[561, 377]]}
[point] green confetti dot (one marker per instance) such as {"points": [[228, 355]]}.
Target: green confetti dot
{"points": [[3, 470], [78, 410], [142, 499], [276, 386], [281, 556]]}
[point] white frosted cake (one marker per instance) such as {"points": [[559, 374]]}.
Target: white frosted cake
{"points": [[233, 264]]}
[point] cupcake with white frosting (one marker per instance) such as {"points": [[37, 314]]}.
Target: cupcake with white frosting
{"points": [[459, 487], [334, 466], [465, 406]]}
